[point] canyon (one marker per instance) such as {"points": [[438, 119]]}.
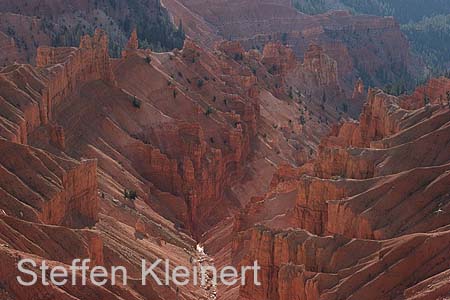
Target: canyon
{"points": [[367, 47], [261, 138], [70, 162]]}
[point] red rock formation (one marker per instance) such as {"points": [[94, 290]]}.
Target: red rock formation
{"points": [[358, 90], [181, 143], [333, 267], [367, 185], [375, 155], [21, 101], [346, 38], [316, 61], [69, 68], [283, 58], [132, 45], [205, 155], [8, 50], [435, 91], [49, 181], [68, 196], [89, 62]]}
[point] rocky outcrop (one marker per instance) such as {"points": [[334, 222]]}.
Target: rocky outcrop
{"points": [[367, 181], [72, 68], [316, 61], [346, 38], [358, 90], [132, 45], [68, 195], [434, 92], [296, 263], [281, 60], [20, 99], [210, 130], [278, 58], [58, 171], [29, 95], [375, 186]]}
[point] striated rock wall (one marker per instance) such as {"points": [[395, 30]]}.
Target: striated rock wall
{"points": [[325, 68], [67, 196], [72, 67], [321, 69], [378, 178], [132, 45], [20, 101], [68, 108], [298, 264], [369, 47], [395, 139], [377, 194], [434, 92], [211, 111], [30, 95]]}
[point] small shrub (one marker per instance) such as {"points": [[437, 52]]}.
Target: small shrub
{"points": [[148, 59], [273, 69], [426, 100], [208, 111], [136, 102], [302, 120], [200, 83], [130, 194]]}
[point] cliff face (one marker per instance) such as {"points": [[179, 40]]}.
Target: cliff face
{"points": [[150, 149], [362, 163], [298, 264], [62, 23], [30, 95], [202, 121], [363, 46], [366, 185], [73, 68], [53, 181], [67, 197], [201, 139], [316, 61]]}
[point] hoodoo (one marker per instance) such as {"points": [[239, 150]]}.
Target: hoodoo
{"points": [[224, 150]]}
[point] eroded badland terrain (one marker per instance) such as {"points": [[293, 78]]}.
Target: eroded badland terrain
{"points": [[263, 138]]}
